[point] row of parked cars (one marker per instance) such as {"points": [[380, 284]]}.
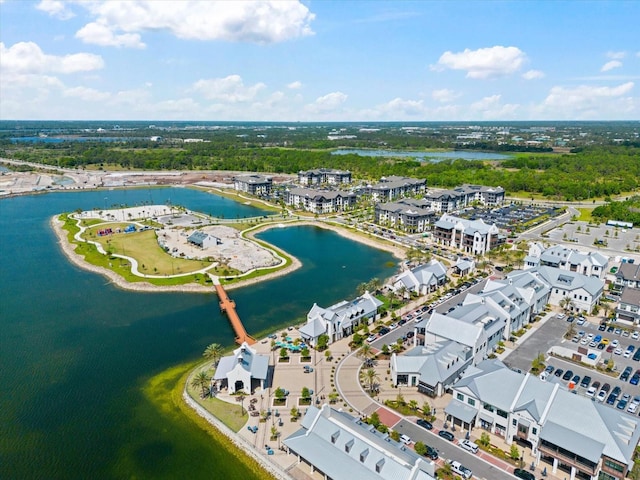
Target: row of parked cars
{"points": [[598, 393]]}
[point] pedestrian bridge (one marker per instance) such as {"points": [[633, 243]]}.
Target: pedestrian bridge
{"points": [[228, 306]]}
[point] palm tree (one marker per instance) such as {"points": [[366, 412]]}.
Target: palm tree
{"points": [[366, 353], [566, 304], [241, 396], [214, 352], [201, 380], [371, 379]]}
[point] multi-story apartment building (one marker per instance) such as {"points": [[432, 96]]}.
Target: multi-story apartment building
{"points": [[393, 187], [257, 185], [471, 236], [408, 215], [323, 175], [319, 201]]}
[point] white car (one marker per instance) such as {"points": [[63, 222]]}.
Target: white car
{"points": [[584, 341], [406, 439], [591, 392], [560, 316], [580, 321], [601, 396], [468, 445], [590, 336], [635, 335], [632, 408], [618, 351], [460, 469], [615, 343], [371, 338]]}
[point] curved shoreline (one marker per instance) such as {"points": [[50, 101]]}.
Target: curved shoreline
{"points": [[68, 249]]}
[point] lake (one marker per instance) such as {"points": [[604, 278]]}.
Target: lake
{"points": [[424, 156], [75, 350]]}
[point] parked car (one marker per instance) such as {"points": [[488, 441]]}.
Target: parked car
{"points": [[371, 338], [586, 380], [567, 375], [576, 379], [460, 469], [560, 316], [468, 445], [424, 424], [601, 396], [596, 385], [432, 453], [636, 356], [406, 439], [635, 335], [307, 369], [559, 372], [591, 392], [446, 435], [611, 399], [635, 378], [522, 473], [624, 376], [622, 404], [549, 369]]}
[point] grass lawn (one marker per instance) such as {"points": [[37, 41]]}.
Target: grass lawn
{"points": [[585, 214], [144, 247]]}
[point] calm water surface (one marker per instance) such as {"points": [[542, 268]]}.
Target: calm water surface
{"points": [[75, 350]]}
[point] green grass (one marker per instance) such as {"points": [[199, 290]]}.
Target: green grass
{"points": [[585, 214]]}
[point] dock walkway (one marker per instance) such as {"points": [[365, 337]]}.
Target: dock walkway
{"points": [[229, 307]]}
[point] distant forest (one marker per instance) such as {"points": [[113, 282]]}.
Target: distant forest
{"points": [[591, 172]]}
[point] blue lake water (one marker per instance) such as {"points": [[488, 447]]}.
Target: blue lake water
{"points": [[428, 156], [75, 350]]}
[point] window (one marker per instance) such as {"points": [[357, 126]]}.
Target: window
{"points": [[488, 407], [514, 422], [613, 465], [460, 397], [363, 455], [471, 402], [348, 445], [379, 465], [335, 436], [502, 413]]}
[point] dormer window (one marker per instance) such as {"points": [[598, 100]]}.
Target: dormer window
{"points": [[335, 436], [348, 445], [363, 455]]}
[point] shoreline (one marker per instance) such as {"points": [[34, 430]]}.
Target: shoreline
{"points": [[68, 250]]}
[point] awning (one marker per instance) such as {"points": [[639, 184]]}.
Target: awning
{"points": [[524, 422], [486, 417], [460, 411]]}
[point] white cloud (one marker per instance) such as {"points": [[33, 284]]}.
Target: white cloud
{"points": [[252, 21], [230, 89], [445, 95], [56, 9], [611, 65], [483, 63], [490, 108], [99, 34], [616, 55], [588, 102], [533, 75], [25, 58], [294, 85], [86, 94], [326, 103]]}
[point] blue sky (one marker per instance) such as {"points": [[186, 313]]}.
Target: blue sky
{"points": [[320, 60]]}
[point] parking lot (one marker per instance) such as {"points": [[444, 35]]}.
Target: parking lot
{"points": [[552, 332], [509, 217], [610, 238]]}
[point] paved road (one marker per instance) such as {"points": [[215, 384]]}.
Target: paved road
{"points": [[482, 465]]}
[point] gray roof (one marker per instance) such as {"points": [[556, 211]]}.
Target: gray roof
{"points": [[449, 222], [491, 382], [461, 410], [256, 364], [327, 434], [567, 280], [436, 363], [253, 179], [584, 445], [453, 329], [629, 271], [320, 194], [630, 296]]}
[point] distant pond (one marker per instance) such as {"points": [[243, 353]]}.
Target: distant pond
{"points": [[424, 156]]}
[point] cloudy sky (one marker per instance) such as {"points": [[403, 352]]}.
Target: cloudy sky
{"points": [[320, 60]]}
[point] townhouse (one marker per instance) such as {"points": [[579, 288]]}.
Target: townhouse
{"points": [[628, 275], [628, 310], [422, 279]]}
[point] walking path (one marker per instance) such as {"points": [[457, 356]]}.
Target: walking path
{"points": [[228, 306]]}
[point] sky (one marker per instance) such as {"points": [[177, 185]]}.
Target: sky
{"points": [[320, 60]]}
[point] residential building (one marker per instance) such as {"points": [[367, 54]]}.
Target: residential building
{"points": [[339, 320], [408, 215], [628, 275], [245, 370], [422, 279], [319, 201], [592, 264], [628, 310], [566, 432], [323, 176], [444, 201], [471, 236], [339, 446], [393, 187], [253, 184]]}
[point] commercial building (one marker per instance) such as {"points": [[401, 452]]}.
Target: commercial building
{"points": [[567, 433], [339, 446], [422, 279], [203, 240], [591, 264], [339, 320], [245, 370]]}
